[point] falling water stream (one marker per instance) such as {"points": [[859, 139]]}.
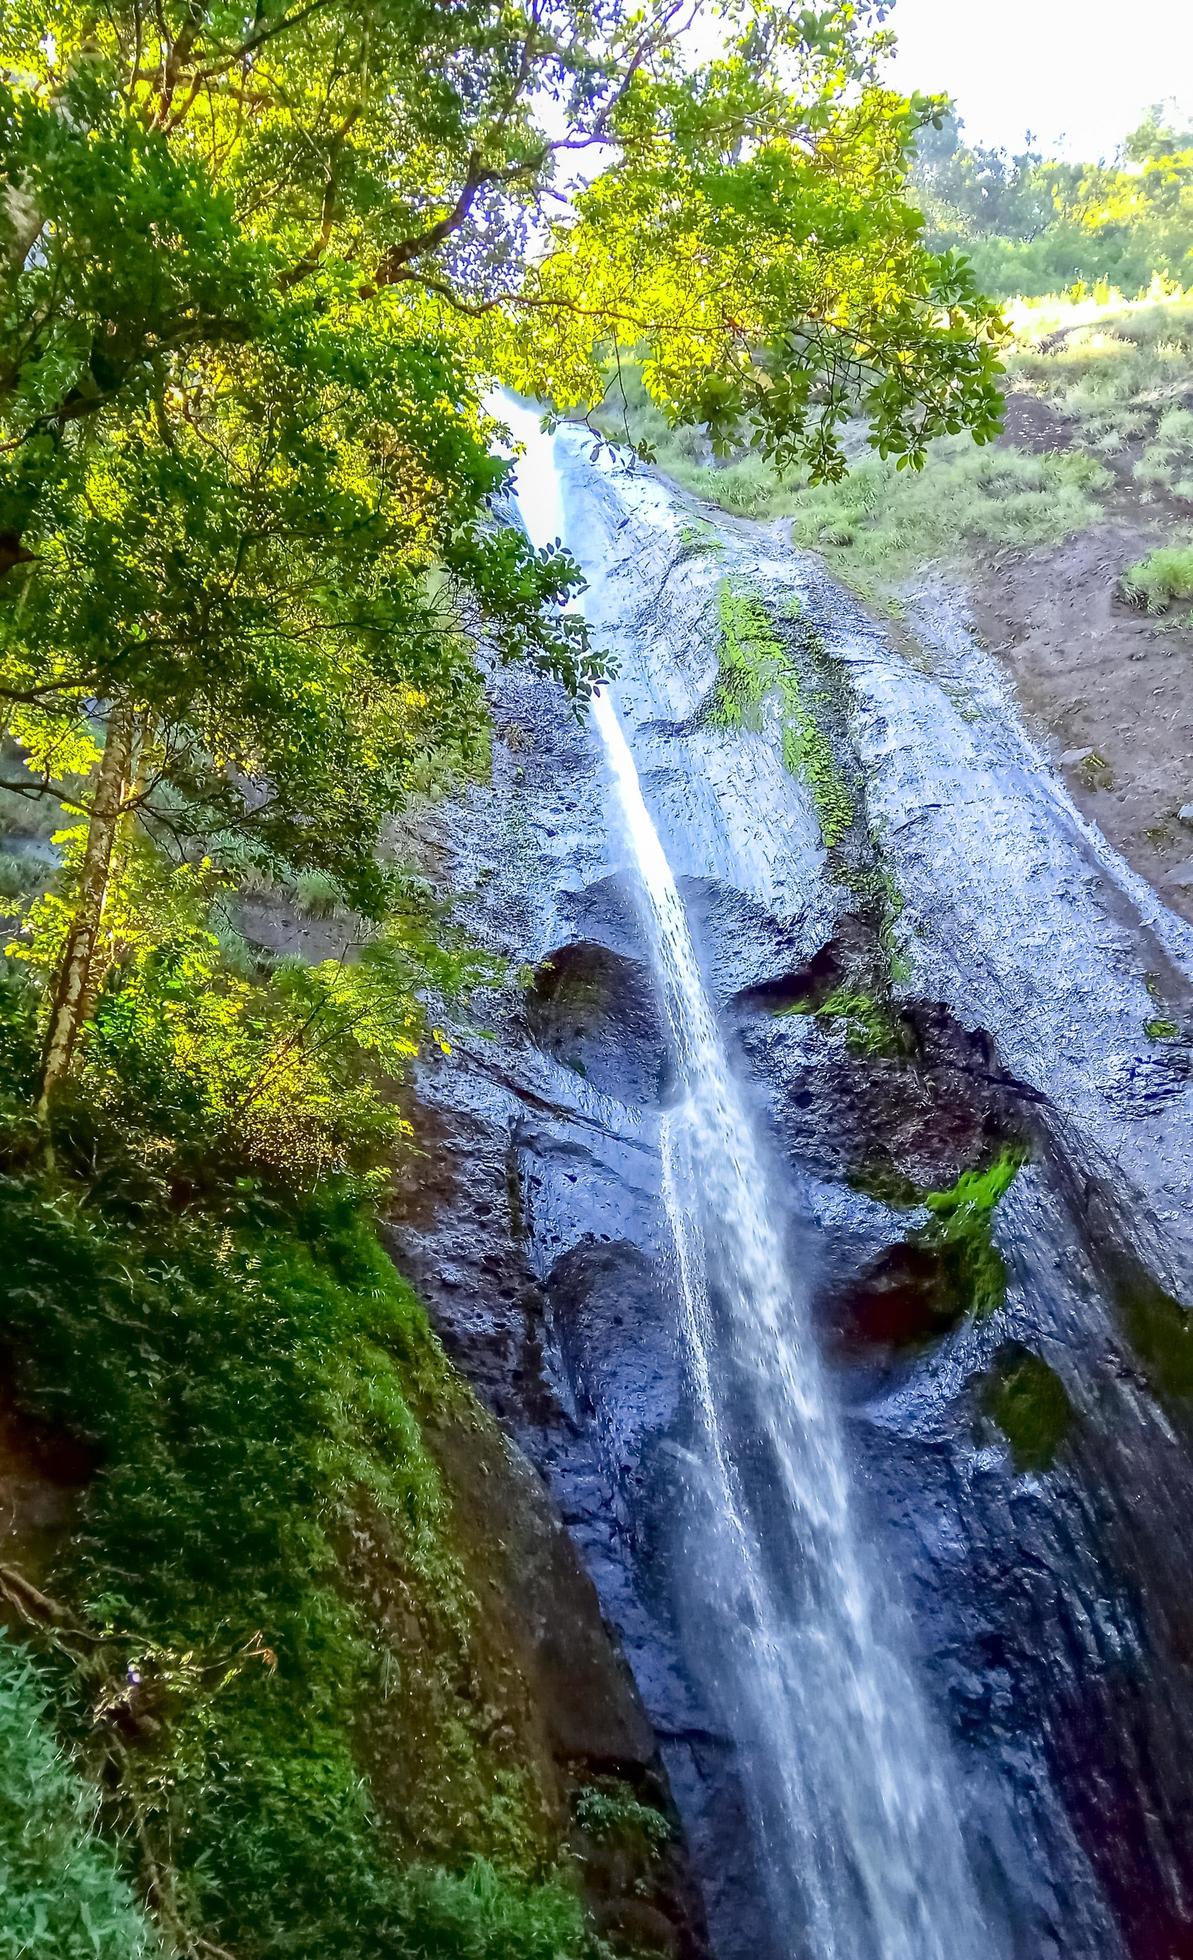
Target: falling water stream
{"points": [[849, 1784]]}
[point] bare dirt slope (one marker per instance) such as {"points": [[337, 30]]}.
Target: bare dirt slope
{"points": [[1109, 689], [1106, 686]]}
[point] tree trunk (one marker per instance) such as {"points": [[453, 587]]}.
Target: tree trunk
{"points": [[25, 223], [73, 986], [105, 950]]}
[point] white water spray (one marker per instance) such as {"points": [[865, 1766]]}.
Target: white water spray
{"points": [[847, 1780]]}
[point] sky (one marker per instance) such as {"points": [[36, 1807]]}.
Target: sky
{"points": [[1078, 69]]}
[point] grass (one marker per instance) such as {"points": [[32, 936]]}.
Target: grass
{"points": [[63, 1895], [256, 1387], [959, 1271], [1167, 462], [879, 524], [1094, 772], [236, 954], [756, 666], [960, 1226], [1163, 576], [1117, 374], [318, 894], [477, 1915], [877, 1178], [28, 816]]}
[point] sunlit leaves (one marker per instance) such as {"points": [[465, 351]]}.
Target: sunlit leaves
{"points": [[285, 1075], [261, 264]]}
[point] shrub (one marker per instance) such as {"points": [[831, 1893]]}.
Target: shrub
{"points": [[698, 539], [202, 1061], [611, 1814], [879, 522], [255, 1386], [63, 1897], [747, 485]]}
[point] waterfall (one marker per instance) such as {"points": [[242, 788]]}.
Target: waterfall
{"points": [[852, 1796]]}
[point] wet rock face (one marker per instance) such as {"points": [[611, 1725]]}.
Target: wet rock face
{"points": [[594, 1011], [918, 1110], [1026, 1473], [905, 1296], [545, 1535]]}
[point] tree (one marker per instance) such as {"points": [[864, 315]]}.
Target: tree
{"points": [[261, 263], [979, 190], [1035, 225], [238, 575]]}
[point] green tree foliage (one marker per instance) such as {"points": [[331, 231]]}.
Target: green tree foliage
{"points": [[200, 1073], [1033, 225], [259, 264]]}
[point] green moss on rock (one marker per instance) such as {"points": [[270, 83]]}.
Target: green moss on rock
{"points": [[1160, 1330], [961, 1230], [284, 1621], [697, 538], [755, 664], [869, 1025], [1028, 1402], [878, 1178], [916, 1289]]}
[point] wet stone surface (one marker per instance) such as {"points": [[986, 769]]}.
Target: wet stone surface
{"points": [[1026, 1472]]}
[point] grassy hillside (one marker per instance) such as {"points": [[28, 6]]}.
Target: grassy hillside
{"points": [[1100, 409]]}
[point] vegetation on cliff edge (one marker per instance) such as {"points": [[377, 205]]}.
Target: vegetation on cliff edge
{"points": [[259, 268]]}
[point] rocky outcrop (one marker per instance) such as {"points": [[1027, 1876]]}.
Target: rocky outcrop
{"points": [[968, 973]]}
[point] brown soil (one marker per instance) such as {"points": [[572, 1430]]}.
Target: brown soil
{"points": [[1031, 424], [1108, 689], [43, 1482]]}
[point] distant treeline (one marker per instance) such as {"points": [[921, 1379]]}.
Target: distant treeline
{"points": [[1032, 225]]}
